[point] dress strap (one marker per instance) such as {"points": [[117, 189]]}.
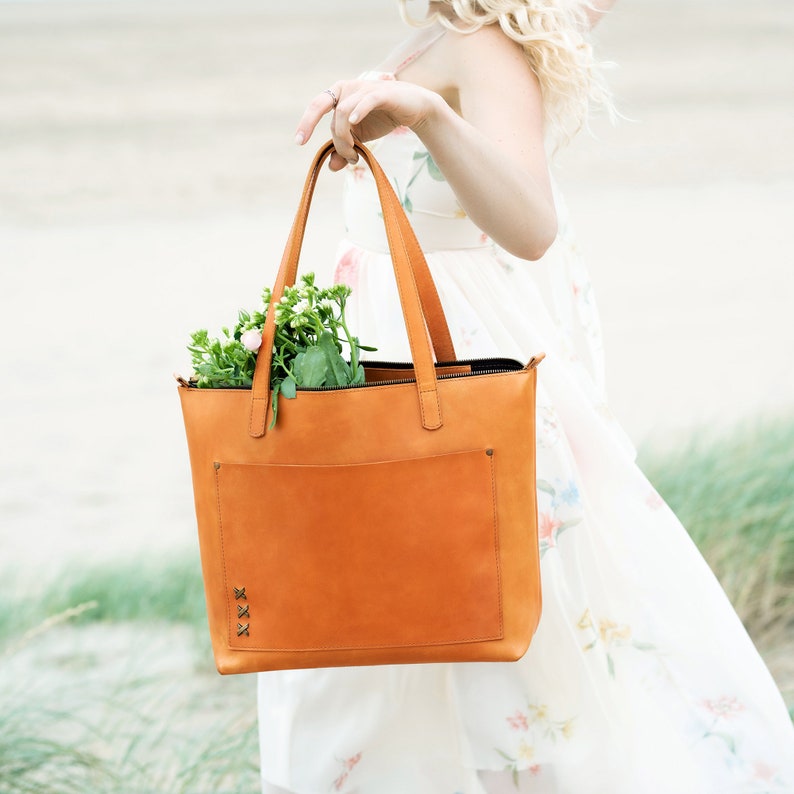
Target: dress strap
{"points": [[417, 53]]}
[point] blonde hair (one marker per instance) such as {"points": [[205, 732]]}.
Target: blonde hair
{"points": [[553, 34]]}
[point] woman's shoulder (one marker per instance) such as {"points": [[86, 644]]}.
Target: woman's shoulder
{"points": [[488, 53], [460, 59]]}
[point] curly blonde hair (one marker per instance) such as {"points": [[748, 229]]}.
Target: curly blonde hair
{"points": [[554, 36]]}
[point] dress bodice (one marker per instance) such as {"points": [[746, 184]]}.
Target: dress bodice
{"points": [[433, 209], [441, 225]]}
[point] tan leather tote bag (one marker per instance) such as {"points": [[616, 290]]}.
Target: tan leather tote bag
{"points": [[390, 522]]}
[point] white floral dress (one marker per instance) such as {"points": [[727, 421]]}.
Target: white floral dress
{"points": [[641, 678]]}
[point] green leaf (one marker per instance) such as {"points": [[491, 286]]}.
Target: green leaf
{"points": [[727, 738], [327, 341], [434, 170], [338, 368], [297, 367], [289, 388], [276, 389], [314, 368], [546, 487], [360, 376]]}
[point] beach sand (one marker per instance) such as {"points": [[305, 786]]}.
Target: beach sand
{"points": [[149, 177]]}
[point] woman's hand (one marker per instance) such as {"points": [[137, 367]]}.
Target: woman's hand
{"points": [[490, 147], [365, 110]]}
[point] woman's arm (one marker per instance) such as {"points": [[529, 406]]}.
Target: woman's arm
{"points": [[492, 153]]}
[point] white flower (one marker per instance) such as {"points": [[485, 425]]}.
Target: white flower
{"points": [[301, 307], [252, 340]]}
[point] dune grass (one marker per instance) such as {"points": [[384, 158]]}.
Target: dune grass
{"points": [[120, 709], [166, 590], [735, 496]]}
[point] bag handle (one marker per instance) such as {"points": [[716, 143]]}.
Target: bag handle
{"points": [[422, 311]]}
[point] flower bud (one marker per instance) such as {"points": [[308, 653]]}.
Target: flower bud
{"points": [[251, 340]]}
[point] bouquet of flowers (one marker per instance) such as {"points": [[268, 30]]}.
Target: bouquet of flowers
{"points": [[311, 335]]}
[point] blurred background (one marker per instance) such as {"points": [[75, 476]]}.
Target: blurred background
{"points": [[148, 181]]}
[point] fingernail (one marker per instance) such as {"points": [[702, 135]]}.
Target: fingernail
{"points": [[299, 138], [353, 118]]}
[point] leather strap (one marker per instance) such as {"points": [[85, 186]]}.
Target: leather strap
{"points": [[422, 310]]}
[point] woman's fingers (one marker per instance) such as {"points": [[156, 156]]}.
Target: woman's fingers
{"points": [[323, 103], [351, 110], [337, 162], [362, 110]]}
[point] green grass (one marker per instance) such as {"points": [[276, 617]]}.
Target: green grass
{"points": [[167, 590], [128, 751], [735, 496], [93, 708]]}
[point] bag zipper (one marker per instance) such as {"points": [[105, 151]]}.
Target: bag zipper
{"points": [[496, 366], [499, 365]]}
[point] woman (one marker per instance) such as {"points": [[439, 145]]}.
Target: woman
{"points": [[640, 679]]}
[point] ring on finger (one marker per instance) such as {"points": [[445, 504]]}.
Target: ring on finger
{"points": [[334, 98]]}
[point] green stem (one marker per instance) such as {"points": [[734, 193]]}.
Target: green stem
{"points": [[350, 342]]}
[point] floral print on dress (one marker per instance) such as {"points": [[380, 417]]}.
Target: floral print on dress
{"points": [[608, 636], [653, 501], [423, 164], [552, 522], [348, 764], [548, 427], [347, 265], [533, 725], [467, 336], [721, 712], [723, 717]]}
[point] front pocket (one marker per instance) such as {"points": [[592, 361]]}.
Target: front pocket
{"points": [[371, 555]]}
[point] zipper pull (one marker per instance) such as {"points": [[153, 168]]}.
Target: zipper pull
{"points": [[181, 381], [535, 360]]}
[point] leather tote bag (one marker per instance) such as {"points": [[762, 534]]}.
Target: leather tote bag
{"points": [[385, 523]]}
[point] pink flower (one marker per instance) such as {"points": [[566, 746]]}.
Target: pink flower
{"points": [[252, 340], [534, 770], [518, 722], [764, 771], [653, 500], [547, 526], [352, 761], [725, 707], [347, 267], [347, 766]]}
